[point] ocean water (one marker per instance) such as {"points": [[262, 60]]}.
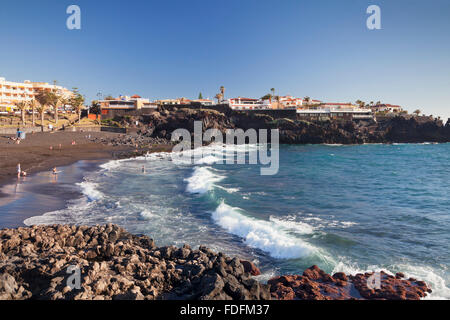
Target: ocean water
{"points": [[344, 208]]}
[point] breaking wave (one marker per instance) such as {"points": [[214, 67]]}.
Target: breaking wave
{"points": [[202, 180], [264, 235]]}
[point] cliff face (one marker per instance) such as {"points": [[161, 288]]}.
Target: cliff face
{"points": [[398, 129]]}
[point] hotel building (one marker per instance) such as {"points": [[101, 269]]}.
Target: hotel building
{"points": [[125, 104], [249, 104], [13, 92], [335, 112]]}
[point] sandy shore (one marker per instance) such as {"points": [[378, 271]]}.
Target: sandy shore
{"points": [[43, 151]]}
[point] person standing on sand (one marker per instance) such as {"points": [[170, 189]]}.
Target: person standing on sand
{"points": [[19, 171]]}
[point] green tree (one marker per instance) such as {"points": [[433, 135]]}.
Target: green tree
{"points": [[95, 107], [54, 101], [77, 102], [200, 96], [33, 109], [22, 106], [44, 100], [307, 100], [219, 97]]}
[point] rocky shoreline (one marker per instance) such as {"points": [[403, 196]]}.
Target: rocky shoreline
{"points": [[398, 129], [41, 262]]}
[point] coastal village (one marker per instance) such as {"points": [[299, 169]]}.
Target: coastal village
{"points": [[19, 99]]}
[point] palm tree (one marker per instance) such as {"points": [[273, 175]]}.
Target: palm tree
{"points": [[41, 110], [77, 101], [53, 101], [417, 112], [219, 97], [22, 105], [222, 91], [44, 100], [273, 92], [33, 108], [307, 100], [360, 103]]}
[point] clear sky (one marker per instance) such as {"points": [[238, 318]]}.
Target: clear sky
{"points": [[175, 48]]}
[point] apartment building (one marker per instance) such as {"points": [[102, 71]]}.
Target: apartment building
{"points": [[12, 92]]}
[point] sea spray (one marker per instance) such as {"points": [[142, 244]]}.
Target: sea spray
{"points": [[202, 180], [89, 189], [260, 234]]}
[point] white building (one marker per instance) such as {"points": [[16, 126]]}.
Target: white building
{"points": [[204, 102], [335, 113], [13, 92], [249, 104]]}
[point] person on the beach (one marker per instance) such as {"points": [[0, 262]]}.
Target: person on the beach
{"points": [[54, 171], [19, 171], [143, 169]]}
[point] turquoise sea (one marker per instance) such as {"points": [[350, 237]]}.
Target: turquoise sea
{"points": [[344, 208]]}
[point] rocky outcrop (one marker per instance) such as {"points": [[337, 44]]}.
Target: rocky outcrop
{"points": [[160, 124], [315, 284], [108, 263], [41, 263]]}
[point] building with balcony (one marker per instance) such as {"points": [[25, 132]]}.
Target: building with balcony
{"points": [[335, 113], [125, 104], [249, 104], [13, 92]]}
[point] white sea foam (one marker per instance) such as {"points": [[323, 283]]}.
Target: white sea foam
{"points": [[209, 160], [264, 235], [202, 180], [289, 224], [147, 214], [229, 190], [111, 165], [440, 288], [89, 189]]}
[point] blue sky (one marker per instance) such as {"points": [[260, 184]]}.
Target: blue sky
{"points": [[176, 48]]}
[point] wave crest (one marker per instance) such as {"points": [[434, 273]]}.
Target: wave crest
{"points": [[264, 235]]}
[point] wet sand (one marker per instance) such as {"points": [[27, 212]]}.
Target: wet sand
{"points": [[34, 153], [41, 191]]}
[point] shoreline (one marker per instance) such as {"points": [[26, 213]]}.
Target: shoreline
{"points": [[35, 154], [285, 286], [37, 160]]}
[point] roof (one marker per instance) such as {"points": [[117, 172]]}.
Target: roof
{"points": [[136, 97]]}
